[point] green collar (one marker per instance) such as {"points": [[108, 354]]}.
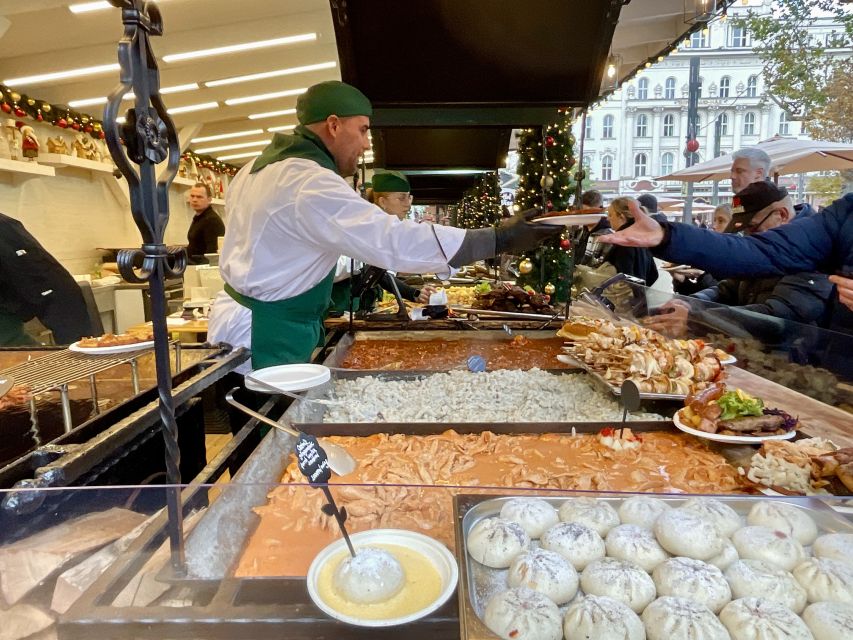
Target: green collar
{"points": [[304, 143]]}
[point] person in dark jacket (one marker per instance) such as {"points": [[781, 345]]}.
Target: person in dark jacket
{"points": [[34, 285], [822, 242], [804, 297], [633, 261], [206, 228]]}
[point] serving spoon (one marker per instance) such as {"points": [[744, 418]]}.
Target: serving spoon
{"points": [[340, 461]]}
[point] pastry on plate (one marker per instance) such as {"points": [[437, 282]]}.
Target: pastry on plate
{"points": [[602, 618], [670, 618], [694, 580], [758, 619], [620, 580], [494, 542], [523, 614], [534, 515]]}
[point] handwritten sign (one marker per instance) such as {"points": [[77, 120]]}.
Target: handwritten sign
{"points": [[312, 460]]}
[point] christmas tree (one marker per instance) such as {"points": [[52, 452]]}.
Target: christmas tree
{"points": [[481, 204], [545, 164]]}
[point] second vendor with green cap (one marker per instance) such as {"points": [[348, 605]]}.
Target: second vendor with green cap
{"points": [[391, 192], [291, 215]]}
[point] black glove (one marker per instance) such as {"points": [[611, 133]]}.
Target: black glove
{"points": [[516, 234]]}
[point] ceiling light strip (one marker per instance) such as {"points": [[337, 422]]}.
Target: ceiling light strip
{"points": [[271, 114], [226, 136], [229, 147], [286, 127], [61, 75], [86, 7], [265, 96], [271, 74], [193, 107], [236, 48], [88, 102], [237, 156]]}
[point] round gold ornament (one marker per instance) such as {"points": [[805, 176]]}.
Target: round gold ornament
{"points": [[525, 266], [46, 107], [15, 96], [549, 289], [31, 102]]}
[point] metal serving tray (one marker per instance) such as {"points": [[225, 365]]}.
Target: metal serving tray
{"points": [[617, 391], [340, 351], [478, 583]]}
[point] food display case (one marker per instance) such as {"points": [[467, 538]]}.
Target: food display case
{"points": [[100, 566]]}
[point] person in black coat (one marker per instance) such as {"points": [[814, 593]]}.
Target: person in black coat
{"points": [[34, 285], [634, 261], [206, 228]]}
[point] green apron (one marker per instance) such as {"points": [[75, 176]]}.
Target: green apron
{"points": [[287, 331], [12, 332]]}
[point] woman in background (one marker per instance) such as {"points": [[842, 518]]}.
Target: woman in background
{"points": [[632, 261]]}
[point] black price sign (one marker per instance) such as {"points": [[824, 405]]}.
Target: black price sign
{"points": [[312, 460]]}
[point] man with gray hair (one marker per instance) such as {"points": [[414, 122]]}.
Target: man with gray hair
{"points": [[749, 165]]}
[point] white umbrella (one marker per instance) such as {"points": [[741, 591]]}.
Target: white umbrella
{"points": [[788, 155]]}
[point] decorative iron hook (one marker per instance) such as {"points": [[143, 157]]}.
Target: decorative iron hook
{"points": [[149, 138]]}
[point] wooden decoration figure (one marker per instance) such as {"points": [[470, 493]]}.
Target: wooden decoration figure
{"points": [[29, 143], [13, 136], [57, 145]]}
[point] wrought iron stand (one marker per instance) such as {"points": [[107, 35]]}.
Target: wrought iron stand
{"points": [[149, 138]]}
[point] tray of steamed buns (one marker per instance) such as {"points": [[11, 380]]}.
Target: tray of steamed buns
{"points": [[656, 568]]}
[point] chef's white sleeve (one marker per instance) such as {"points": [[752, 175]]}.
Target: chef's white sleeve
{"points": [[331, 215]]}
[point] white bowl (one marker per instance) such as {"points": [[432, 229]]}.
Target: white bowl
{"points": [[289, 377], [438, 555]]}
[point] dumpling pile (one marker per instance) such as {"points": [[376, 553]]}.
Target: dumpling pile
{"points": [[653, 569]]}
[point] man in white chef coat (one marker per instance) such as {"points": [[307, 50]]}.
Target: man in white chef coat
{"points": [[291, 215]]}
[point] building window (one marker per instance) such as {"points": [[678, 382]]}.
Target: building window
{"points": [[749, 124], [723, 119], [752, 87], [698, 39], [587, 132], [701, 82], [666, 163], [607, 127], [642, 128], [641, 161], [739, 37], [587, 163], [643, 89], [725, 86], [669, 90], [607, 168], [668, 126], [784, 125]]}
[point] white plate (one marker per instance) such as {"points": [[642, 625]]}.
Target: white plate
{"points": [[440, 557], [119, 348], [719, 437], [571, 220], [289, 377]]}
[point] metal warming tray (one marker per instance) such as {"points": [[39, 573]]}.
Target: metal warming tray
{"points": [[478, 583], [617, 391], [340, 351]]}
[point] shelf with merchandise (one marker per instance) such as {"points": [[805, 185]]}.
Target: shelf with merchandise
{"points": [[30, 168], [61, 160]]}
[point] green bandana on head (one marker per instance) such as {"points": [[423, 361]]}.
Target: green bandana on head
{"points": [[391, 182], [331, 98]]}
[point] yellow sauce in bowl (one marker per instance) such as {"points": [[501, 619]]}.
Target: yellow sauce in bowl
{"points": [[421, 588]]}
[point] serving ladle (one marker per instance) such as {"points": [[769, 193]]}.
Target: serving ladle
{"points": [[340, 461]]}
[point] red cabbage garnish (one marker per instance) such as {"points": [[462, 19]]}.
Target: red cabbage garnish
{"points": [[790, 422]]}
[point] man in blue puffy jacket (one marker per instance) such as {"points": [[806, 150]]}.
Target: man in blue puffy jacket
{"points": [[822, 242]]}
